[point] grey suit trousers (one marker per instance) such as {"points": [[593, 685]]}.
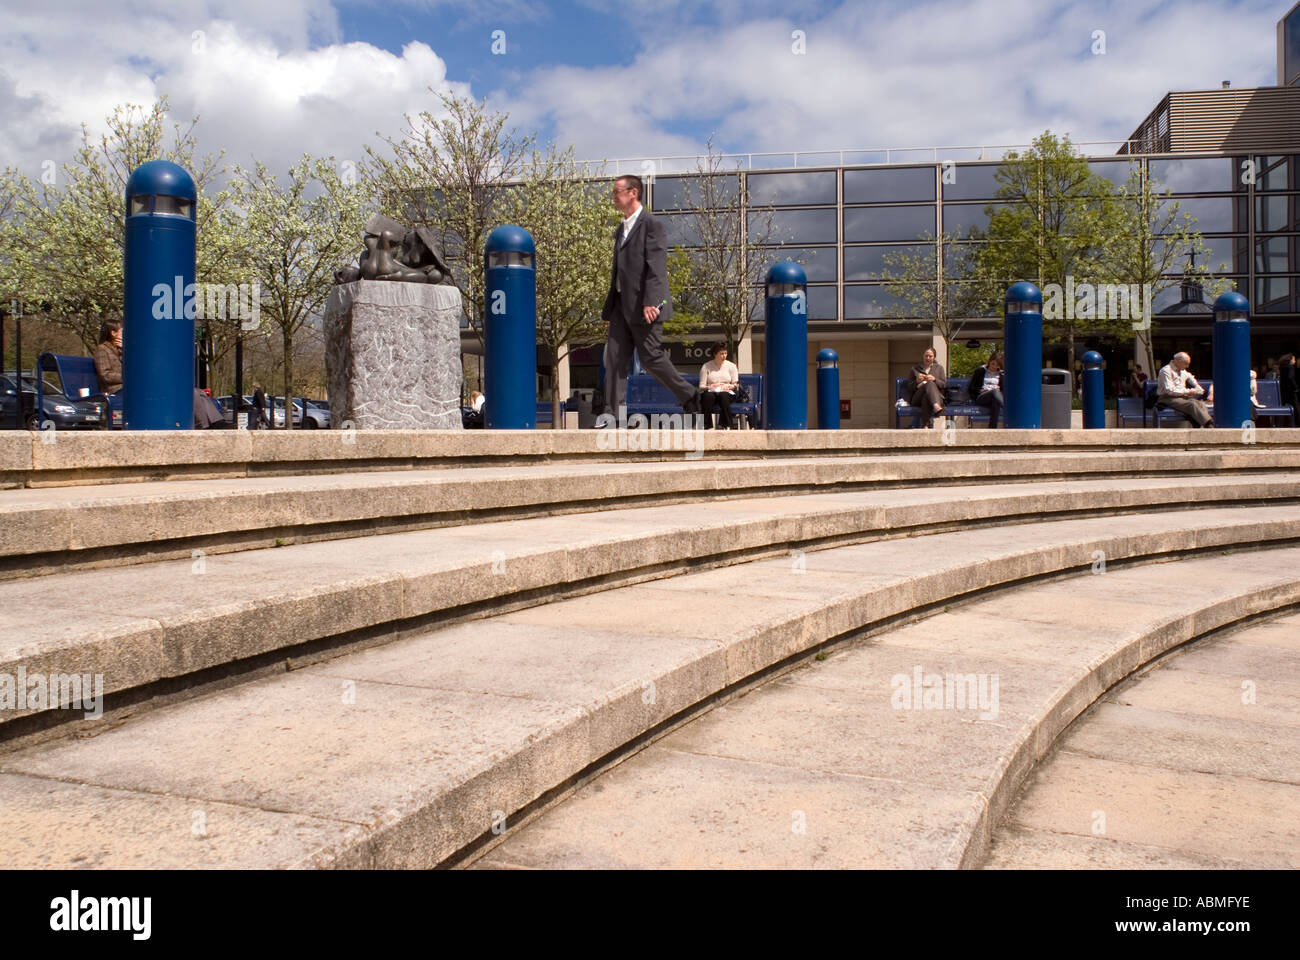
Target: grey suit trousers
{"points": [[645, 339]]}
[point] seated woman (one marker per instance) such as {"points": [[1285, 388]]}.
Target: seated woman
{"points": [[108, 356], [719, 380], [986, 388], [926, 385]]}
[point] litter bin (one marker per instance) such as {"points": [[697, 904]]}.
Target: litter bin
{"points": [[585, 397], [1056, 399]]}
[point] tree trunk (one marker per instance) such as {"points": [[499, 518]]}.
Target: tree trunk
{"points": [[557, 416], [1069, 358], [288, 380]]}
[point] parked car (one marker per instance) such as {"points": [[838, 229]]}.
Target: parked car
{"points": [[55, 407], [315, 417], [64, 412]]}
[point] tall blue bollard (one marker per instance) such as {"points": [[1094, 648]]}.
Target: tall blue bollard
{"points": [[1231, 339], [1094, 391], [158, 298], [1023, 342], [828, 390], [786, 363], [510, 330]]}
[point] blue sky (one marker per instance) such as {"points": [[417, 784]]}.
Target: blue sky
{"points": [[272, 79]]}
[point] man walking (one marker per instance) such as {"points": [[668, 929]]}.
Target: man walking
{"points": [[638, 301], [1178, 390]]}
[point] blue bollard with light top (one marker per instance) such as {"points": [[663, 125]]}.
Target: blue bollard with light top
{"points": [[828, 390], [159, 298], [510, 330], [1094, 391], [1231, 341], [786, 363], [1023, 346]]}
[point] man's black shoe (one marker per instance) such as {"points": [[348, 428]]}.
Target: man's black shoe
{"points": [[692, 405]]}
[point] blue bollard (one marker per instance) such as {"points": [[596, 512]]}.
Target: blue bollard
{"points": [[510, 330], [828, 390], [786, 363], [1094, 391], [1231, 338], [159, 298], [1023, 345]]}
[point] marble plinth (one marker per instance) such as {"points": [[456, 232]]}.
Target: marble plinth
{"points": [[392, 355]]}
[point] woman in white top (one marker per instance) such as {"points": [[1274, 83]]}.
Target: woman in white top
{"points": [[719, 380]]}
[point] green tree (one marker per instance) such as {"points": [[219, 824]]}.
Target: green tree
{"points": [[450, 172], [298, 233], [1156, 245], [926, 287], [1054, 220], [68, 241]]}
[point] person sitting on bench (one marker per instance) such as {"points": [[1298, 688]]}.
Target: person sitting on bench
{"points": [[986, 388], [719, 380], [926, 385], [1178, 390]]}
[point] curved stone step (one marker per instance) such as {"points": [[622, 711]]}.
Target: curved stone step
{"points": [[81, 457], [852, 763], [62, 528], [1190, 763], [407, 754], [238, 614]]}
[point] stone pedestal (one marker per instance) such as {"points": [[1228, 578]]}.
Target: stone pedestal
{"points": [[392, 355]]}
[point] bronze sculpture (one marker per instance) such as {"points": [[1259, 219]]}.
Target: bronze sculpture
{"points": [[394, 252]]}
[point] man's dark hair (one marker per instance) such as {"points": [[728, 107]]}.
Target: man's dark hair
{"points": [[633, 182]]}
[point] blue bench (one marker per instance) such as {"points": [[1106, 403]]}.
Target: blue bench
{"points": [[647, 396], [78, 379], [1131, 410], [1270, 395], [1158, 413], [956, 403]]}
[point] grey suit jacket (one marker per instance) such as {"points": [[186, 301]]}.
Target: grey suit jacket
{"points": [[642, 264]]}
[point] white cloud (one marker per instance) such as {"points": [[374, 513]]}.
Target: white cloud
{"points": [[260, 87], [942, 73]]}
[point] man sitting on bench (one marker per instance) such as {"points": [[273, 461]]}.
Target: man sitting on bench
{"points": [[1178, 390]]}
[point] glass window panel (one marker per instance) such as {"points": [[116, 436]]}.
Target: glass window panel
{"points": [[888, 223], [1221, 250], [1116, 171], [1275, 255], [970, 182], [870, 301], [683, 230], [1212, 214], [1272, 295], [818, 262], [870, 263], [961, 218], [791, 189], [1196, 175], [887, 185], [957, 256], [1166, 298], [824, 302], [671, 193], [794, 226], [1273, 173], [1275, 213]]}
